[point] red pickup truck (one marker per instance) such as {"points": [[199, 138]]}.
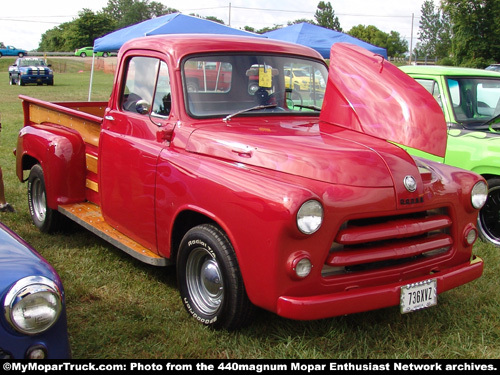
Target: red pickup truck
{"points": [[299, 203]]}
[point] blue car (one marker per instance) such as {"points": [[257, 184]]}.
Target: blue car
{"points": [[33, 323], [12, 51], [30, 70]]}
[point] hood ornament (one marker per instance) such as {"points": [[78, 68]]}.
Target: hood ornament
{"points": [[410, 183]]}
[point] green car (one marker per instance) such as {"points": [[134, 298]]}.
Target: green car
{"points": [[87, 51], [470, 99]]}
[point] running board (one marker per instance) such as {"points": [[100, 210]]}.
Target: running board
{"points": [[89, 216]]}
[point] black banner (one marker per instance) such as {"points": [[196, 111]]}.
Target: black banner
{"points": [[251, 366]]}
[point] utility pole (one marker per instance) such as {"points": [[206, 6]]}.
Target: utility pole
{"points": [[411, 38], [229, 14]]}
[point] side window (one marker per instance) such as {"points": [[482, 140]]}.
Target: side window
{"points": [[433, 88], [140, 84], [454, 92], [488, 98], [162, 103]]}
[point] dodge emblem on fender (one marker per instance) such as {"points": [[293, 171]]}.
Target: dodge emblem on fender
{"points": [[410, 184]]}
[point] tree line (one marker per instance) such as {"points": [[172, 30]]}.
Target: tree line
{"points": [[460, 32], [90, 25], [457, 32]]}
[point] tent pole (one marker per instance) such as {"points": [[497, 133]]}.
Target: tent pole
{"points": [[91, 75]]}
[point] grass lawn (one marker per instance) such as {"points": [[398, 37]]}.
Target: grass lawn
{"points": [[120, 308]]}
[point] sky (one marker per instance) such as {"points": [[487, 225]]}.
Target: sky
{"points": [[23, 26]]}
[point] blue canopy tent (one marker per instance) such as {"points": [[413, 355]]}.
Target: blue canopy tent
{"points": [[319, 38], [174, 23]]}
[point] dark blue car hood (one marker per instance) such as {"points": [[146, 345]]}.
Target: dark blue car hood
{"points": [[18, 259]]}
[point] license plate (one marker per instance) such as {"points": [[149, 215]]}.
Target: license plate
{"points": [[418, 296]]}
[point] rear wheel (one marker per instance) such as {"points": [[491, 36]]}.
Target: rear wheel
{"points": [[209, 279], [45, 219], [489, 216]]}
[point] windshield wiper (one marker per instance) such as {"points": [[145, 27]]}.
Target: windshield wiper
{"points": [[314, 107], [257, 107], [492, 120], [490, 124], [483, 125]]}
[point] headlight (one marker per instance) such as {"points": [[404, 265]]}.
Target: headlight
{"points": [[479, 194], [310, 217], [33, 305]]}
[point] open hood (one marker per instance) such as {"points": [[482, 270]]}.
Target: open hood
{"points": [[368, 94]]}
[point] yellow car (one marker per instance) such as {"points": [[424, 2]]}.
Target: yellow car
{"points": [[301, 79]]}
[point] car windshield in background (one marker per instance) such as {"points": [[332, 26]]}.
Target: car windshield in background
{"points": [[31, 62], [221, 86], [494, 67], [475, 100]]}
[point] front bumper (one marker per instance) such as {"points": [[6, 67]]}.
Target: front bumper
{"points": [[26, 79], [372, 298]]}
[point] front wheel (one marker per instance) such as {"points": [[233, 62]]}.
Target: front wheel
{"points": [[209, 279], [489, 217], [44, 218]]}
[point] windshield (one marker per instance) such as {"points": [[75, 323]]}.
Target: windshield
{"points": [[475, 100], [31, 62], [221, 86]]}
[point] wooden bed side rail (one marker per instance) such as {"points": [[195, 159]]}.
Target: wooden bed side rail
{"points": [[41, 112]]}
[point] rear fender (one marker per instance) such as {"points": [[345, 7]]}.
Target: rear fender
{"points": [[61, 153]]}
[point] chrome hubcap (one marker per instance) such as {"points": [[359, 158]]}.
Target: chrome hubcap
{"points": [[39, 200], [204, 281]]}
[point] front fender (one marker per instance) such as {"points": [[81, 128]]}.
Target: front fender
{"points": [[476, 151], [61, 153]]}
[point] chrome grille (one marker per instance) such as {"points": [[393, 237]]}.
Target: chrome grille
{"points": [[384, 241]]}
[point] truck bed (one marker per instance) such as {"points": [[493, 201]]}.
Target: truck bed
{"points": [[83, 117]]}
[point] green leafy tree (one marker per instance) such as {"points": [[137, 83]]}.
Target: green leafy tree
{"points": [[325, 16], [86, 28], [78, 33], [83, 30], [53, 40], [396, 45], [434, 32], [475, 31], [392, 42], [301, 20], [214, 19], [267, 29], [129, 12]]}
